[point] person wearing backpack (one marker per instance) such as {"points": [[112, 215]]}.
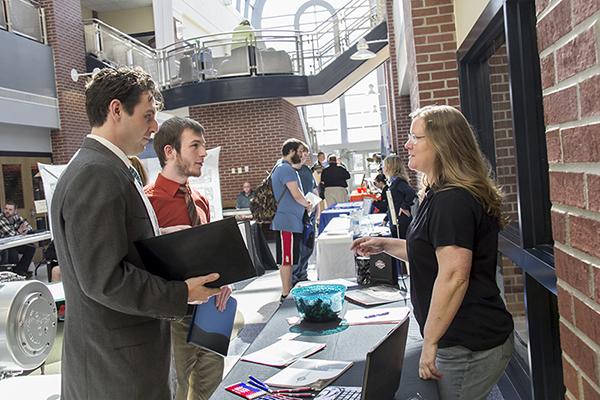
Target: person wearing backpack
{"points": [[291, 204]]}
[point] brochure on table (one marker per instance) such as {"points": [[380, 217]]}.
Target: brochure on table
{"points": [[283, 352], [372, 316], [309, 372], [375, 295]]}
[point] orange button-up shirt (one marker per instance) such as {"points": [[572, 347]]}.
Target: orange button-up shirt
{"points": [[169, 203]]}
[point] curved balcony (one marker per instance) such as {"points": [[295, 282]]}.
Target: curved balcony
{"points": [[303, 67]]}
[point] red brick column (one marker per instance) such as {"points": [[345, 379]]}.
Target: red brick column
{"points": [[568, 40], [434, 35], [65, 36], [251, 134]]}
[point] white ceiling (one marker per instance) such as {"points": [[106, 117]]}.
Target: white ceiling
{"points": [[113, 5]]}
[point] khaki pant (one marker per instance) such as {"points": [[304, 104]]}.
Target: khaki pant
{"points": [[336, 194], [199, 371]]}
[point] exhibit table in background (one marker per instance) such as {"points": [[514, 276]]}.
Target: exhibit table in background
{"points": [[356, 196], [15, 241], [335, 211], [350, 344], [334, 257]]}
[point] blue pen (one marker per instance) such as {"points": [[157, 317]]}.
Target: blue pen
{"points": [[377, 315], [260, 384]]}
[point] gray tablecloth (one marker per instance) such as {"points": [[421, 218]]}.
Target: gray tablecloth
{"points": [[350, 344]]}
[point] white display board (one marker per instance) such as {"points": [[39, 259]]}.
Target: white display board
{"points": [[50, 174]]}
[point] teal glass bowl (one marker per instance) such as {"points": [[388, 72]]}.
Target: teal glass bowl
{"points": [[320, 302]]}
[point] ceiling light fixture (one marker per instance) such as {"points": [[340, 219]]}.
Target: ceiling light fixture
{"points": [[362, 49]]}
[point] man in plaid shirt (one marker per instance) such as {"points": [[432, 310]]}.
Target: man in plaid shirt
{"points": [[12, 224]]}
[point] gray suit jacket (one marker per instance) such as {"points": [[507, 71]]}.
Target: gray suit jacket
{"points": [[116, 342]]}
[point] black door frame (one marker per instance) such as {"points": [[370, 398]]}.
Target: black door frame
{"points": [[529, 243]]}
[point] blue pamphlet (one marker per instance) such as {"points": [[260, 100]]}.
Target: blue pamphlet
{"points": [[211, 328]]}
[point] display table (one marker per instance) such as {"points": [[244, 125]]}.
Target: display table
{"points": [[335, 211], [31, 387], [334, 258], [350, 344], [19, 240], [355, 196]]}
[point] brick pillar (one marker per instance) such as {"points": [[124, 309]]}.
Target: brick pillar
{"points": [[399, 105], [65, 36], [434, 35], [568, 40], [251, 134]]}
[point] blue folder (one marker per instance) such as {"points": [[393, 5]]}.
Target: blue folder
{"points": [[211, 328]]}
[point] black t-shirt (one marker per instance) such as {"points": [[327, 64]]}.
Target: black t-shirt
{"points": [[454, 217]]}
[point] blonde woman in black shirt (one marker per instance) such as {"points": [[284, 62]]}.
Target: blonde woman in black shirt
{"points": [[451, 247]]}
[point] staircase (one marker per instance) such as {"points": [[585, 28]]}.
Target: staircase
{"points": [[302, 67]]}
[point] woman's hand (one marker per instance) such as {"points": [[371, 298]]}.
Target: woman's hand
{"points": [[427, 368], [222, 297], [365, 246]]}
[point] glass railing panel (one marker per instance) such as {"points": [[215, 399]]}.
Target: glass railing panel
{"points": [[92, 43], [147, 61], [223, 59], [182, 65], [25, 19], [2, 16], [114, 49]]}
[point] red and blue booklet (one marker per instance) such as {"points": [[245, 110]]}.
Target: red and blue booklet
{"points": [[211, 328]]}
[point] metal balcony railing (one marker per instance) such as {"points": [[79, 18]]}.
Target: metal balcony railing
{"points": [[226, 54], [117, 48], [25, 18]]}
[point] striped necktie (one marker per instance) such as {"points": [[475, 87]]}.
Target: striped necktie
{"points": [[191, 206], [136, 175]]}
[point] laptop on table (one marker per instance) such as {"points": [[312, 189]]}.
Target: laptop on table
{"points": [[387, 356]]}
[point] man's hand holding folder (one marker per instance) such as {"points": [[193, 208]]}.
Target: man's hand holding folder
{"points": [[197, 292]]}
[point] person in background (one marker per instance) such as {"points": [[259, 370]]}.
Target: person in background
{"points": [[243, 35], [243, 199], [452, 248], [12, 224], [291, 206], [181, 149], [299, 271], [317, 169], [319, 165], [140, 169], [334, 179], [381, 184], [116, 338], [403, 196]]}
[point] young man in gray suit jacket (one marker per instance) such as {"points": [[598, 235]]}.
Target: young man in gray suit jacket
{"points": [[116, 337]]}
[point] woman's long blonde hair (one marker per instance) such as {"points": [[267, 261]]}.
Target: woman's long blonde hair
{"points": [[394, 165], [459, 161]]}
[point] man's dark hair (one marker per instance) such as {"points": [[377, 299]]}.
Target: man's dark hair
{"points": [[123, 84], [10, 203], [170, 134], [320, 153], [380, 178], [292, 144], [332, 158]]}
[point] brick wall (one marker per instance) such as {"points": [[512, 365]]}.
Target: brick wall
{"points": [[65, 36], [399, 105], [250, 133], [434, 35], [569, 42]]}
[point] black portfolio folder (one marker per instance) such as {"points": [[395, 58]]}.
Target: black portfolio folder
{"points": [[201, 250]]}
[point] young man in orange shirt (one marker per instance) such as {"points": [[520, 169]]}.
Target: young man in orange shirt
{"points": [[180, 146]]}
